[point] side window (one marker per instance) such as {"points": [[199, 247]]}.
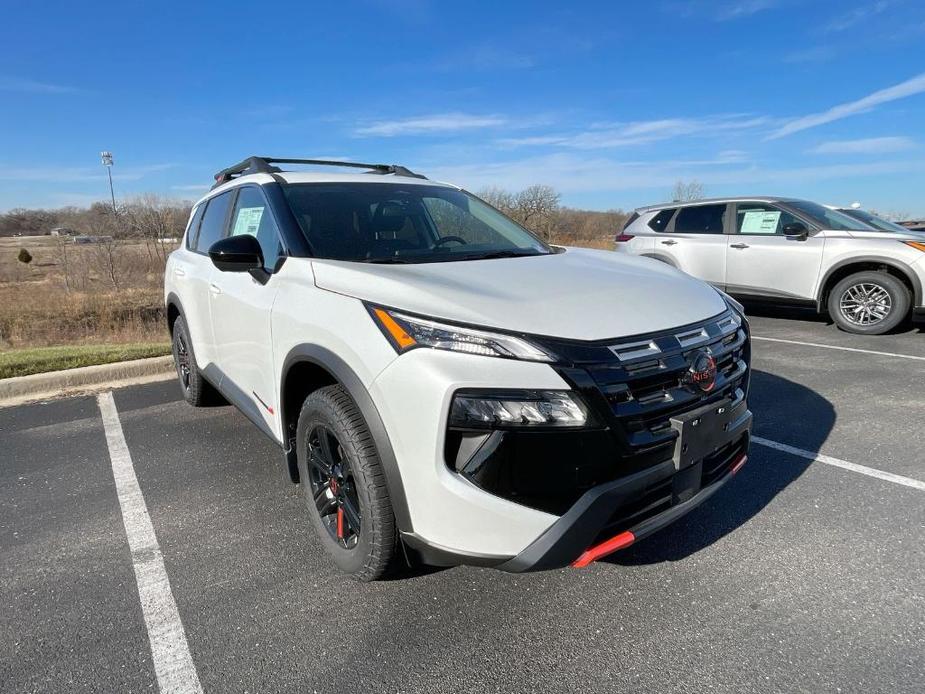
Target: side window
{"points": [[660, 221], [252, 216], [700, 219], [193, 227], [759, 218], [213, 222]]}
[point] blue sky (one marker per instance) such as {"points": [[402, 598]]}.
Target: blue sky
{"points": [[609, 102]]}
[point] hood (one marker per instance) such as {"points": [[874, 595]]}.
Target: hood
{"points": [[910, 235], [579, 294]]}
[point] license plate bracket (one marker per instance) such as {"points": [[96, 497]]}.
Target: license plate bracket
{"points": [[702, 432]]}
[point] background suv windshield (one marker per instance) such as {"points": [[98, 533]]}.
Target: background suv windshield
{"points": [[828, 219], [392, 222], [876, 222]]}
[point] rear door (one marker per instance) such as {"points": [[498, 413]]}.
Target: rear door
{"points": [[695, 241], [763, 261], [241, 303], [193, 272]]}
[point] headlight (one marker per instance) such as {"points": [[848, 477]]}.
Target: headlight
{"points": [[407, 332], [517, 408]]}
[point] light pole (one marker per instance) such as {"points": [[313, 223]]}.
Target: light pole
{"points": [[106, 158]]}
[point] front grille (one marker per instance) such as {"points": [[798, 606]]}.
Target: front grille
{"points": [[637, 385]]}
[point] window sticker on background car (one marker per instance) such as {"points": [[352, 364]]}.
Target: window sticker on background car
{"points": [[760, 222], [248, 221]]}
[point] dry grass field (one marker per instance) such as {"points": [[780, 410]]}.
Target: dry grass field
{"points": [[78, 297]]}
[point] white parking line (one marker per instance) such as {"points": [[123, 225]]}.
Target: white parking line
{"points": [[844, 464], [173, 664], [845, 349]]}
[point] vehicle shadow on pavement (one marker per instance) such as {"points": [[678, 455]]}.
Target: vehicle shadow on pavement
{"points": [[784, 411], [809, 315]]}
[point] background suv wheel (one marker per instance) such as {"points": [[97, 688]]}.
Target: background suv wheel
{"points": [[869, 303], [344, 486]]}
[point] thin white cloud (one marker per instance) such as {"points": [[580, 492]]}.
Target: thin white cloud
{"points": [[612, 135], [910, 87], [743, 8], [854, 16], [430, 124], [572, 174], [64, 174], [869, 145], [27, 86]]}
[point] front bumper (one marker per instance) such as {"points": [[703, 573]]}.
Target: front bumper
{"points": [[589, 525], [614, 477]]}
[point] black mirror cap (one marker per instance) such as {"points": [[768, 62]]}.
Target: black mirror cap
{"points": [[236, 254], [797, 230]]}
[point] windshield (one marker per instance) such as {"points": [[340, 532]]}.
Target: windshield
{"points": [[875, 221], [402, 223], [828, 219]]}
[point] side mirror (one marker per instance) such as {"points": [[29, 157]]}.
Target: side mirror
{"points": [[236, 254], [796, 231]]}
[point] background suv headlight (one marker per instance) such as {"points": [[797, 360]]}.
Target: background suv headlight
{"points": [[409, 332]]}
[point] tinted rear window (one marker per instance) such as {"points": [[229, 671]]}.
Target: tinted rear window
{"points": [[660, 221], [632, 218], [213, 222], [700, 219]]}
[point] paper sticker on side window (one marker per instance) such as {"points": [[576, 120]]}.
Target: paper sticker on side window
{"points": [[247, 221], [760, 222]]}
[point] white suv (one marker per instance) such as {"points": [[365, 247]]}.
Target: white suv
{"points": [[786, 250], [447, 387]]}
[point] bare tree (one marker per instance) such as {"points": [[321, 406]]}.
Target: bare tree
{"points": [[500, 198], [684, 191], [156, 222], [106, 259]]}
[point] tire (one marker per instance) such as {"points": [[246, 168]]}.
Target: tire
{"points": [[196, 390], [352, 516], [880, 302]]}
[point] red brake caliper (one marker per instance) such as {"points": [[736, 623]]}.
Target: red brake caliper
{"points": [[340, 512]]}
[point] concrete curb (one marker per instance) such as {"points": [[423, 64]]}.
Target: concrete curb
{"points": [[85, 379]]}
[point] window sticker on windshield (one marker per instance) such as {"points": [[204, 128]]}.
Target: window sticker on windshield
{"points": [[760, 222], [248, 221]]}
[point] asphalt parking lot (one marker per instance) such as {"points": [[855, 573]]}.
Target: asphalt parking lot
{"points": [[804, 573]]}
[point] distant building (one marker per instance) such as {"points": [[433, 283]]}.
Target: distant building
{"points": [[914, 224], [62, 231]]}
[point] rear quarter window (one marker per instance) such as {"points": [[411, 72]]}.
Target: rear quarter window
{"points": [[660, 221], [193, 229]]}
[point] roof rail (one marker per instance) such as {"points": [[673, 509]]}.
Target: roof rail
{"points": [[253, 165]]}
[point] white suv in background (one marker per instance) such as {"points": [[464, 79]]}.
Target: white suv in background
{"points": [[446, 386], [787, 250]]}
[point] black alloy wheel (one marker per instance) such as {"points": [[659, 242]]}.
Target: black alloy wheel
{"points": [[333, 487]]}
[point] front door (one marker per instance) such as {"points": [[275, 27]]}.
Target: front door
{"points": [[241, 305], [763, 261]]}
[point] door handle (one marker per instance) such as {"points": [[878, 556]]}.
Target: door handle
{"points": [[739, 245], [215, 289], [179, 272], [669, 242]]}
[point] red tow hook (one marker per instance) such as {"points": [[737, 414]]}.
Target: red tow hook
{"points": [[624, 539], [737, 465]]}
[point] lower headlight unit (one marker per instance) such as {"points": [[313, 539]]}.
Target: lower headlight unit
{"points": [[517, 409]]}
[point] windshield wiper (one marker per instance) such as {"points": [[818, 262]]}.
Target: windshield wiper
{"points": [[499, 254], [386, 260]]}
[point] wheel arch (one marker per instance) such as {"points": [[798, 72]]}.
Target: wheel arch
{"points": [[308, 367], [891, 266], [174, 310], [661, 258]]}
